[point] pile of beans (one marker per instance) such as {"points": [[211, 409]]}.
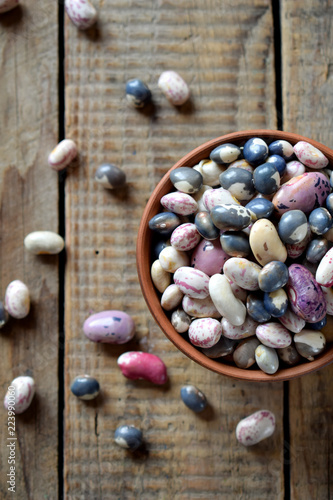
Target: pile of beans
{"points": [[242, 253]]}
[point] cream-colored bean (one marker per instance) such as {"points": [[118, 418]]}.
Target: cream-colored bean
{"points": [[81, 12], [171, 259], [159, 276], [265, 242], [44, 242], [225, 301], [171, 297], [62, 154], [210, 172]]}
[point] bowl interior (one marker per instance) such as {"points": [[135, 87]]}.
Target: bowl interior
{"points": [[152, 296]]}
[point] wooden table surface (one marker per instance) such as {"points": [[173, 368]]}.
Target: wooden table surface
{"points": [[249, 64]]}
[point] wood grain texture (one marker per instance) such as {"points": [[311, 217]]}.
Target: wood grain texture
{"points": [[29, 201], [307, 96], [224, 51]]}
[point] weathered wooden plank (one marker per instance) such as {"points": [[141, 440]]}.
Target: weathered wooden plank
{"points": [[224, 51], [29, 201], [308, 109]]}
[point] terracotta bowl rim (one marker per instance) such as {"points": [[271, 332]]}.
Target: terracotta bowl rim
{"points": [[152, 297]]}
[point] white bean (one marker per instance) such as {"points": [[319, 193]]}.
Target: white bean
{"points": [[44, 242]]}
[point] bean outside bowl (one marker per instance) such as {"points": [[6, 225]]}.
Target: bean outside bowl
{"points": [[152, 296]]}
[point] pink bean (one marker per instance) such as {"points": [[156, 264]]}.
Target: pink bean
{"points": [[142, 365]]}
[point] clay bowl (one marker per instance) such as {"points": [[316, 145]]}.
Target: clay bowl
{"points": [[152, 296]]}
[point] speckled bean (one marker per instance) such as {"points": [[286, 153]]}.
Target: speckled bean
{"points": [[20, 394], [247, 329], [324, 273], [292, 322], [179, 203], [109, 327], [293, 169], [143, 365], [17, 299], [328, 294], [205, 332], [62, 154], [273, 335], [243, 272], [310, 156], [200, 308], [192, 282], [44, 242], [174, 87], [256, 427], [305, 295], [185, 237], [216, 197], [81, 12]]}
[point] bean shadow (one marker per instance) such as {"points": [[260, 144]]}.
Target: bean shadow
{"points": [[12, 18]]}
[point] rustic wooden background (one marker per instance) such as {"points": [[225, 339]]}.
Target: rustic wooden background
{"points": [[249, 64]]}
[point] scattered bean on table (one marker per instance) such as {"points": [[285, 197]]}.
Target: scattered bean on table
{"points": [[62, 154], [256, 427], [109, 327], [193, 398], [44, 242], [17, 299], [129, 437], [81, 12], [85, 387], [143, 365], [20, 394]]}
